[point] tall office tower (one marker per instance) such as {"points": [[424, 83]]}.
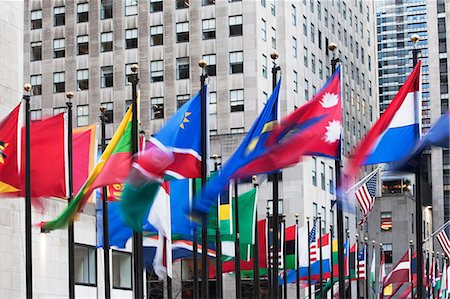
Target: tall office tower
{"points": [[397, 21], [88, 48]]}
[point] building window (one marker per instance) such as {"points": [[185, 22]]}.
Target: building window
{"points": [[107, 76], [59, 48], [235, 24], [294, 47], [314, 171], [83, 79], [386, 221], [209, 28], [131, 38], [83, 44], [208, 2], [121, 266], [183, 68], [129, 73], [305, 26], [82, 115], [182, 99], [324, 220], [236, 62], [36, 19], [36, 114], [59, 110], [315, 211], [306, 90], [212, 103], [156, 35], [211, 61], [264, 66], [36, 51], [322, 175], [36, 83], [313, 33], [106, 10], [59, 84], [157, 71], [156, 5], [273, 10], [387, 251], [263, 30], [82, 12], [182, 32], [305, 56], [131, 7], [236, 100], [85, 260], [157, 105], [320, 69], [293, 15], [109, 112], [313, 63], [331, 180], [106, 41], [295, 82], [182, 4], [274, 38], [59, 16], [239, 130]]}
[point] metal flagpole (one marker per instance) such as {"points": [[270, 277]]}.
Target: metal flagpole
{"points": [[436, 232], [28, 236], [349, 261], [309, 260], [340, 217], [366, 267], [275, 195], [237, 245], [411, 250], [195, 247], [219, 290], [106, 274], [284, 258], [70, 230], [138, 258], [256, 283], [319, 218], [381, 282], [331, 257], [204, 144], [297, 260], [269, 258], [357, 266], [168, 278]]}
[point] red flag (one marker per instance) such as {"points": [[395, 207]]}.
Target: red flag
{"points": [[9, 172], [84, 153], [400, 273], [48, 172]]}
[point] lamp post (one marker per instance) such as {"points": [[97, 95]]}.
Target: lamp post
{"points": [[219, 290], [204, 111], [70, 230], [28, 237], [419, 217], [275, 220], [256, 283], [297, 260]]}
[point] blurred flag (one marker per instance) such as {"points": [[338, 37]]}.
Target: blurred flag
{"points": [[9, 167], [362, 264], [84, 148], [366, 193], [225, 211], [444, 242], [290, 246], [372, 288], [401, 271]]}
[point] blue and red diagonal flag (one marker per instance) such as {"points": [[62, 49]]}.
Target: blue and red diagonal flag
{"points": [[313, 129]]}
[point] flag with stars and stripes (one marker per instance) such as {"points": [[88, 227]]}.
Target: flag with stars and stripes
{"points": [[366, 193], [362, 264], [313, 243], [444, 241]]}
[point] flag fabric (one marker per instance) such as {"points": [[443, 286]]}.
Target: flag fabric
{"points": [[251, 147], [313, 244], [84, 148], [362, 264], [444, 282], [397, 131], [312, 129], [437, 285], [382, 275], [303, 237], [9, 166], [112, 167], [365, 195], [290, 246], [401, 272], [444, 242], [225, 211], [372, 288]]}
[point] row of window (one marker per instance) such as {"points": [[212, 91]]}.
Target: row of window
{"points": [[323, 176]]}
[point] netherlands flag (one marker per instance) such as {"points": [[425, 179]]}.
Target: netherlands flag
{"points": [[397, 131]]}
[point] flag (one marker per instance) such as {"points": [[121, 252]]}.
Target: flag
{"points": [[362, 264], [112, 167], [9, 166], [303, 237], [313, 129], [173, 152], [84, 147], [290, 246], [365, 195], [444, 242], [397, 131], [437, 285], [382, 274], [444, 282], [401, 272], [251, 147], [372, 287], [313, 244], [225, 211]]}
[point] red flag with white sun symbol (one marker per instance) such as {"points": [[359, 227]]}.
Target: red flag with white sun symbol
{"points": [[312, 129]]}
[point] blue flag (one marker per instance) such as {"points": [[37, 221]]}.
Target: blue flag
{"points": [[251, 148]]}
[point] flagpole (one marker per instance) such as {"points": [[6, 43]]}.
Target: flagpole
{"points": [[297, 260], [106, 268], [319, 218], [349, 265], [419, 217], [309, 260], [138, 260], [269, 259], [436, 232], [237, 245], [366, 267], [275, 220], [256, 282], [357, 266], [70, 229], [411, 250], [284, 259], [331, 258], [340, 217], [168, 278], [28, 235], [380, 278], [219, 290], [204, 110], [195, 246]]}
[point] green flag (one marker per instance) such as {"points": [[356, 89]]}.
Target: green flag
{"points": [[372, 288]]}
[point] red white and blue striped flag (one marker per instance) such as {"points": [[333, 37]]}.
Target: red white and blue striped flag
{"points": [[365, 195], [444, 241]]}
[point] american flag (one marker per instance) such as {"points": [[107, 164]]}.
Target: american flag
{"points": [[444, 241], [313, 243], [365, 195], [362, 264]]}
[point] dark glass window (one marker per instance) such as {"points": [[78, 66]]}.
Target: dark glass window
{"points": [[157, 107], [182, 32], [58, 48], [59, 16], [36, 51], [131, 38], [157, 71], [59, 84], [209, 28], [83, 44], [106, 11], [82, 12], [235, 24], [109, 112], [107, 76], [36, 19], [236, 100], [83, 79], [36, 83], [182, 4], [156, 5], [106, 41], [211, 61], [85, 259], [182, 68], [156, 35], [236, 62]]}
